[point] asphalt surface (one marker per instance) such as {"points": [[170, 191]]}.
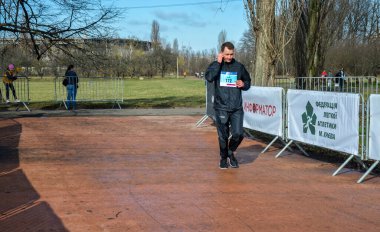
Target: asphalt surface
{"points": [[130, 171]]}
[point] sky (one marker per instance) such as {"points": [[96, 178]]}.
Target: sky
{"points": [[194, 23]]}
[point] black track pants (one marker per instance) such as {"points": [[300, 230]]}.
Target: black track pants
{"points": [[10, 86], [225, 119]]}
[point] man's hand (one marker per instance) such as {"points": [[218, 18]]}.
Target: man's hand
{"points": [[239, 84], [220, 58]]}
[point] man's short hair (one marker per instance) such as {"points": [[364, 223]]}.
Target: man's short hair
{"points": [[229, 45]]}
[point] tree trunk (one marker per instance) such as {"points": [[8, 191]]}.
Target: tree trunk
{"points": [[265, 43], [299, 47], [313, 37]]}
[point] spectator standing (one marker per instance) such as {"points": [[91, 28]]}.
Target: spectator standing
{"points": [[323, 78], [71, 87], [329, 79], [341, 78], [8, 79]]}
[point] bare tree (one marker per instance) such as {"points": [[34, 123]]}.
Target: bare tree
{"points": [[166, 59], [356, 47], [175, 46], [155, 34], [318, 26], [246, 50], [272, 33], [46, 24], [222, 37], [262, 20]]}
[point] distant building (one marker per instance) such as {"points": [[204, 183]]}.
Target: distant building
{"points": [[104, 46], [139, 44]]}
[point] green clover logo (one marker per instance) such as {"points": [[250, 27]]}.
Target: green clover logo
{"points": [[309, 119]]}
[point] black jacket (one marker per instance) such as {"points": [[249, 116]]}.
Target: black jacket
{"points": [[228, 98], [72, 78]]}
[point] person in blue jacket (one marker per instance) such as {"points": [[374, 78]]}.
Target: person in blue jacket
{"points": [[71, 87], [229, 77]]}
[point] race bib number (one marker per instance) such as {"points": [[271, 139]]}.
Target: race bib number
{"points": [[228, 79]]}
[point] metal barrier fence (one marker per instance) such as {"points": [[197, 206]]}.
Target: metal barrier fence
{"points": [[21, 87], [364, 85], [324, 113], [93, 89], [372, 133], [210, 112], [264, 111]]}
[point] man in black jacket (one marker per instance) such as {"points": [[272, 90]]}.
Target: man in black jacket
{"points": [[230, 78]]}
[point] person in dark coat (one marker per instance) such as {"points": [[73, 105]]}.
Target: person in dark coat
{"points": [[71, 87], [229, 77], [341, 76]]}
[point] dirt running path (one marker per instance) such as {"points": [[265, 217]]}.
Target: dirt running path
{"points": [[160, 173]]}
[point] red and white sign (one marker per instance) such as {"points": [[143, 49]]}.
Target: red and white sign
{"points": [[263, 110]]}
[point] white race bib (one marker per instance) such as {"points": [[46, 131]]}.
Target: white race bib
{"points": [[228, 79]]}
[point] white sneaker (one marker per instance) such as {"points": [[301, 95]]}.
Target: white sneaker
{"points": [[17, 100], [7, 101]]}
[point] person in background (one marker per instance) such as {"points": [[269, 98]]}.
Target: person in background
{"points": [[330, 79], [229, 77], [330, 74], [71, 87], [341, 78], [323, 79], [8, 79]]}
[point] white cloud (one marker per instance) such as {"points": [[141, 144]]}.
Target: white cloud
{"points": [[181, 18]]}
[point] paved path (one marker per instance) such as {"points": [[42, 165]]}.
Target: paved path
{"points": [[103, 112], [160, 173]]}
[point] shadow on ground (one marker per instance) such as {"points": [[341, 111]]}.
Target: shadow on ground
{"points": [[317, 153], [247, 156], [20, 208]]}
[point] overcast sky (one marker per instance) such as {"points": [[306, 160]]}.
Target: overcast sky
{"points": [[194, 23]]}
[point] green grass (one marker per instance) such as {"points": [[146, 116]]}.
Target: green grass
{"points": [[41, 90], [147, 93], [164, 93]]}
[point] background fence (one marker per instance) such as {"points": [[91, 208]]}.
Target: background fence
{"points": [[364, 85], [93, 89], [21, 85]]}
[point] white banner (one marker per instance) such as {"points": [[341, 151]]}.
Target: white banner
{"points": [[263, 109], [374, 127], [325, 119]]}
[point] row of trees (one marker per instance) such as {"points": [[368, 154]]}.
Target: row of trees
{"points": [[303, 37], [110, 57], [285, 37]]}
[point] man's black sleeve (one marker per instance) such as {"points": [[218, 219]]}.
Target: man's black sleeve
{"points": [[245, 78], [213, 71]]}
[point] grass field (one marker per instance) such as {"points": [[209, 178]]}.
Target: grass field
{"points": [[146, 93], [165, 93]]}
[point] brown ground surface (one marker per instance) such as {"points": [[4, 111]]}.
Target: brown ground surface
{"points": [[160, 173]]}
